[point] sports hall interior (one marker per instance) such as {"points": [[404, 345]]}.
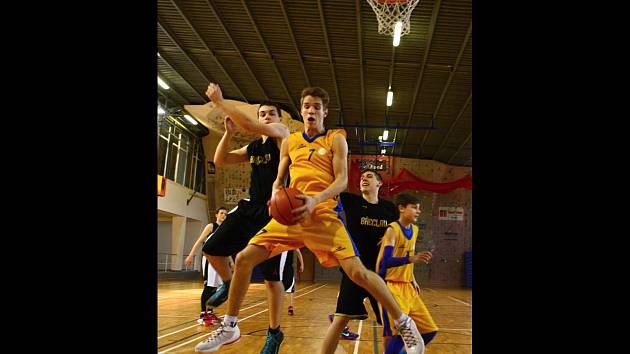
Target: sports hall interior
{"points": [[421, 140]]}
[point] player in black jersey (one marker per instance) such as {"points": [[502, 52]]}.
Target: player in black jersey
{"points": [[244, 221], [367, 217]]}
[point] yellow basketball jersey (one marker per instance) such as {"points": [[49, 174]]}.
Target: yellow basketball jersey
{"points": [[403, 246], [311, 168]]}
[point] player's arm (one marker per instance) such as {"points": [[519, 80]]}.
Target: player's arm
{"points": [[387, 260], [222, 156], [283, 166], [274, 130], [340, 168], [206, 231], [300, 260]]}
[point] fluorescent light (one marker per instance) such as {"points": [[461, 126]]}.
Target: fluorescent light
{"points": [[385, 134], [390, 98], [161, 110], [383, 151], [159, 54], [397, 32], [190, 119], [163, 84]]}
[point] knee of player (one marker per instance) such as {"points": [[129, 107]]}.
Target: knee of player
{"points": [[359, 275]]}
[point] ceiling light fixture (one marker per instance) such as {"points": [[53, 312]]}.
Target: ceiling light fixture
{"points": [[163, 84], [190, 119], [397, 32]]}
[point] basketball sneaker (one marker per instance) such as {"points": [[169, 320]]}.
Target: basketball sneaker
{"points": [[220, 296], [272, 343], [207, 318], [225, 334], [411, 336], [347, 335]]}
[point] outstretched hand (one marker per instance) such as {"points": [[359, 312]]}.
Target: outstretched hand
{"points": [[214, 92]]}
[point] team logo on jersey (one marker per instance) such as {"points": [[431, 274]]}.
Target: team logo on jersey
{"points": [[340, 248], [257, 160], [321, 151], [301, 146]]}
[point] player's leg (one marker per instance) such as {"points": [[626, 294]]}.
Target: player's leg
{"points": [[272, 271], [331, 339], [375, 285], [228, 332]]}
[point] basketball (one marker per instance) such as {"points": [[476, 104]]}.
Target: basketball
{"points": [[282, 203]]}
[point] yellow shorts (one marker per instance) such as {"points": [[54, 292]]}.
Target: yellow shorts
{"points": [[324, 234], [410, 304]]}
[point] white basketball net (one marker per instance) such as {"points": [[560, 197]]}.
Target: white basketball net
{"points": [[388, 13]]}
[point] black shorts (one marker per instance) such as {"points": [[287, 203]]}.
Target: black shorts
{"points": [[350, 301], [239, 226], [280, 268], [234, 233]]}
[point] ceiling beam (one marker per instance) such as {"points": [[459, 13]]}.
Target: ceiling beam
{"points": [[330, 59], [238, 50], [297, 49], [459, 148], [448, 82], [427, 48], [170, 36], [205, 45], [168, 99], [450, 129], [167, 93], [184, 79], [275, 66]]}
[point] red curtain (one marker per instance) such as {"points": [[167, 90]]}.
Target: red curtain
{"points": [[402, 181], [406, 180]]}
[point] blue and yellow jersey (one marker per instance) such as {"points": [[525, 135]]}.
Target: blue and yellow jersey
{"points": [[311, 168], [404, 245]]}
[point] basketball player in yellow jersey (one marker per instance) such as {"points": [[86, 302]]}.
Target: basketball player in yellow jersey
{"points": [[317, 162], [395, 264]]}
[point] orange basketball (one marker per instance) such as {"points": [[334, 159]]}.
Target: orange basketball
{"points": [[282, 203]]}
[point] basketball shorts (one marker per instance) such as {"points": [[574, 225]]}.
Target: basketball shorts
{"points": [[410, 304], [350, 301], [324, 233], [239, 226]]}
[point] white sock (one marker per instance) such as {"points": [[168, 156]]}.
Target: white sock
{"points": [[230, 320], [398, 321]]}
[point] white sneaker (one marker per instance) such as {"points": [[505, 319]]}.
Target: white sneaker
{"points": [[414, 344], [223, 335]]}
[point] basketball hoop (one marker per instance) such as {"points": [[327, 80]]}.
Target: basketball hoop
{"points": [[388, 12]]}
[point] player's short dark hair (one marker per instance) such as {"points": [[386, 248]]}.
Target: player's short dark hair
{"points": [[270, 103], [315, 92], [404, 199], [219, 209], [378, 175]]}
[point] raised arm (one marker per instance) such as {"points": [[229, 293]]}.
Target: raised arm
{"points": [[274, 130], [283, 166], [224, 157]]}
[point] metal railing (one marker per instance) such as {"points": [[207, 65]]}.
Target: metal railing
{"points": [[165, 262]]}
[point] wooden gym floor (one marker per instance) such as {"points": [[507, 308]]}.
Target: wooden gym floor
{"points": [[178, 310]]}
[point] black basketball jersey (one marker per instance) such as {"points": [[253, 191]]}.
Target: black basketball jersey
{"points": [[264, 159], [367, 223]]}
